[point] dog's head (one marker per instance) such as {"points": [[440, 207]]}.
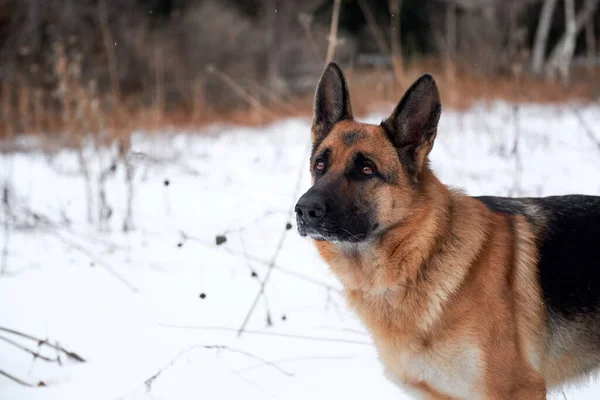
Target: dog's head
{"points": [[366, 178]]}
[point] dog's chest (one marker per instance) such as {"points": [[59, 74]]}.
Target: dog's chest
{"points": [[451, 368]]}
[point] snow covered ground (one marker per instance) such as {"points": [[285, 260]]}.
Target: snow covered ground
{"points": [[156, 312]]}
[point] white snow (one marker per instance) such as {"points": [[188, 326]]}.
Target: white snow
{"points": [[130, 303]]}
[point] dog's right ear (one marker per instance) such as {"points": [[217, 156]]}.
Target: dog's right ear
{"points": [[332, 102], [412, 127]]}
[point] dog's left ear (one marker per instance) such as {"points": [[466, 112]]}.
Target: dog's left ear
{"points": [[412, 127], [332, 102]]}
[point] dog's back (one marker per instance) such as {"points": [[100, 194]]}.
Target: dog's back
{"points": [[567, 230]]}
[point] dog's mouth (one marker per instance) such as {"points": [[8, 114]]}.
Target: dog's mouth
{"points": [[327, 233]]}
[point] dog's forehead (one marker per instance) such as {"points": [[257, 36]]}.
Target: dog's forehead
{"points": [[349, 137], [350, 133]]}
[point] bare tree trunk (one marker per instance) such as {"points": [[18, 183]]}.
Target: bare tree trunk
{"points": [[590, 41], [333, 31], [513, 32], [124, 152], [374, 28], [6, 206], [104, 209], [305, 21], [160, 87], [395, 9], [569, 44], [110, 50], [451, 32], [541, 36], [561, 56], [85, 171], [451, 50], [7, 131], [33, 23], [278, 13]]}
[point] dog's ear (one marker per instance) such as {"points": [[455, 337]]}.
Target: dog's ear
{"points": [[332, 102], [412, 127]]}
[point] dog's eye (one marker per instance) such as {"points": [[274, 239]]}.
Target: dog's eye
{"points": [[367, 170], [320, 166]]}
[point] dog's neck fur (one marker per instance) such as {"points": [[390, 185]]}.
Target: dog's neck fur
{"points": [[396, 271]]}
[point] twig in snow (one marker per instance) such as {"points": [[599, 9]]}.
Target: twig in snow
{"points": [[96, 260], [296, 359], [265, 362], [330, 300], [72, 355], [129, 174], [275, 334], [148, 382], [271, 264], [263, 283], [33, 353], [266, 263], [19, 381], [245, 253], [253, 222], [54, 230], [6, 206], [252, 383], [104, 210], [588, 130], [255, 275], [85, 170], [516, 189]]}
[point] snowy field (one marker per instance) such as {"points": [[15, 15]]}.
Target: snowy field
{"points": [[163, 312]]}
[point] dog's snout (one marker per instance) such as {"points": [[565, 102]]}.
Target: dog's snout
{"points": [[310, 207]]}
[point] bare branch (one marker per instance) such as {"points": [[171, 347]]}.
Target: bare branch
{"points": [[395, 10], [274, 334], [6, 207], [562, 53], [271, 265], [266, 263], [96, 260], [148, 382], [450, 21], [25, 349], [516, 188], [296, 359], [305, 21], [263, 283], [475, 4], [333, 31], [541, 36], [109, 48], [245, 353], [71, 355], [590, 43], [240, 91], [586, 127], [19, 381], [373, 27]]}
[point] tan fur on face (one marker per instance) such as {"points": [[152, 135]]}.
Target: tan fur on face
{"points": [[447, 288]]}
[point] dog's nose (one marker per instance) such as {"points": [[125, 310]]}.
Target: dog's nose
{"points": [[310, 207]]}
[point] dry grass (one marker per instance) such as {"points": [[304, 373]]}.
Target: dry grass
{"points": [[75, 110]]}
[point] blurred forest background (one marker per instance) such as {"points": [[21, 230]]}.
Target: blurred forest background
{"points": [[96, 65]]}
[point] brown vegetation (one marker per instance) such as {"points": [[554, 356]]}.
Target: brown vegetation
{"points": [[104, 68]]}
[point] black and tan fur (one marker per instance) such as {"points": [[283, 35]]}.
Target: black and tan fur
{"points": [[465, 297]]}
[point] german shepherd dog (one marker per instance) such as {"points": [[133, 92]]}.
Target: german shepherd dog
{"points": [[465, 297]]}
